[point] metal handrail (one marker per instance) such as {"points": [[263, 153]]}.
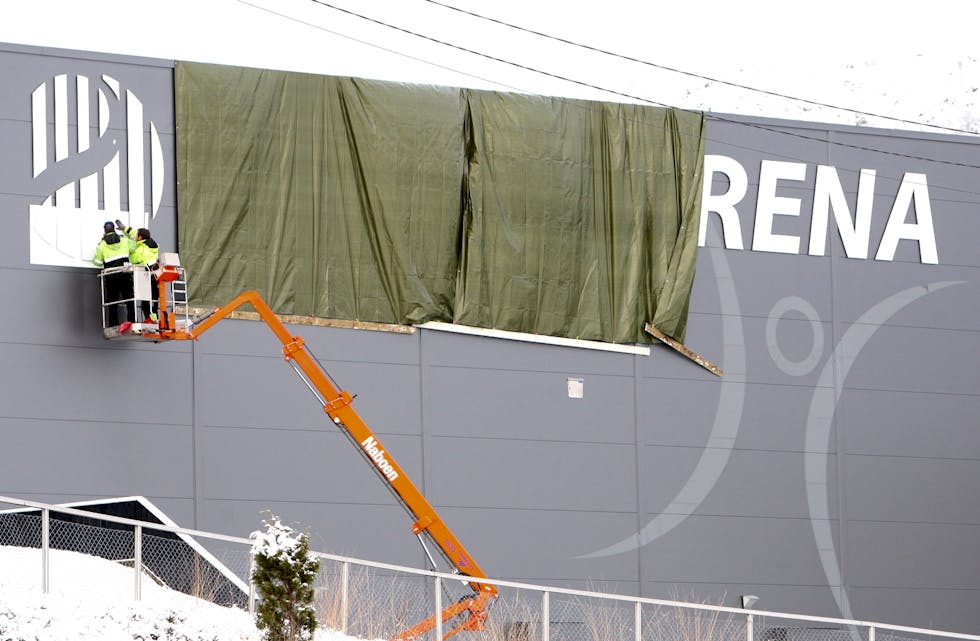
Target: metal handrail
{"points": [[871, 625]]}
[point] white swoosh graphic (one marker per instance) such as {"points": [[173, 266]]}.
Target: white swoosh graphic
{"points": [[728, 417], [820, 419]]}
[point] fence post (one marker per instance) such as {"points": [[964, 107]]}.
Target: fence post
{"points": [[638, 623], [438, 609], [45, 548], [545, 615], [138, 558], [749, 633], [251, 583], [871, 633], [344, 584]]}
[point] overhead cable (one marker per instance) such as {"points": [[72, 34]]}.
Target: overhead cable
{"points": [[697, 75], [710, 115]]}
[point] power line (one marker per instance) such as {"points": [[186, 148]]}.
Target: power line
{"points": [[448, 44], [838, 143], [488, 56], [375, 46], [696, 75], [626, 95], [571, 80]]}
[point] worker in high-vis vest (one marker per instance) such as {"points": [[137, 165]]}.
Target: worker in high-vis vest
{"points": [[145, 251], [113, 251]]}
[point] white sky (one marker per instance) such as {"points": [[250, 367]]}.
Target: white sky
{"points": [[91, 599], [913, 61]]}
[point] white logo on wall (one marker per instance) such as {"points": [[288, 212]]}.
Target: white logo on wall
{"points": [[828, 198], [108, 177]]}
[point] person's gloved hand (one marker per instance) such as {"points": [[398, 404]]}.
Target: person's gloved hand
{"points": [[119, 224]]}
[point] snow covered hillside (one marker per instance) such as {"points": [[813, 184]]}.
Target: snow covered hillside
{"points": [[91, 598]]}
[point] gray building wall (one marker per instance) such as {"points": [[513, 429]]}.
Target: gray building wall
{"points": [[830, 471]]}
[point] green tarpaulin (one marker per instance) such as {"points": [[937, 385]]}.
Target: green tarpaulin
{"points": [[393, 203]]}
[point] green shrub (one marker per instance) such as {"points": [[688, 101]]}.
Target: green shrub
{"points": [[283, 575]]}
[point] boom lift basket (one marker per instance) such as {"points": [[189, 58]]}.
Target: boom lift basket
{"points": [[171, 289]]}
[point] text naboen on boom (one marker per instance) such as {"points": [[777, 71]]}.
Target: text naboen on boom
{"points": [[377, 455]]}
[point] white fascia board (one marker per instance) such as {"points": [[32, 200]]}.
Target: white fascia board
{"points": [[536, 338]]}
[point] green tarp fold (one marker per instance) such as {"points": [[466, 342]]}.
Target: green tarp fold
{"points": [[393, 203], [579, 217], [332, 197]]}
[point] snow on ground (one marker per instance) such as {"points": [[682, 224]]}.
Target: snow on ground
{"points": [[91, 598]]}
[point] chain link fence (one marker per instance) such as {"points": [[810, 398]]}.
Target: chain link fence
{"points": [[371, 600]]}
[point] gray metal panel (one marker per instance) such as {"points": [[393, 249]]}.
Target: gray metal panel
{"points": [[242, 389], [960, 214], [753, 140], [913, 489], [52, 306], [60, 306], [179, 510], [673, 412], [16, 132], [78, 384], [522, 405], [754, 483], [254, 392], [14, 248], [318, 467], [915, 424], [522, 474], [890, 555], [737, 549], [917, 359], [759, 286], [70, 458], [543, 545], [387, 395], [26, 59], [952, 307]]}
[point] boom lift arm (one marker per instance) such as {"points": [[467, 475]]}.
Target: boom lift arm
{"points": [[337, 404]]}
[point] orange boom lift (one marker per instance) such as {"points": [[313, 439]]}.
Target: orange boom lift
{"points": [[337, 404]]}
